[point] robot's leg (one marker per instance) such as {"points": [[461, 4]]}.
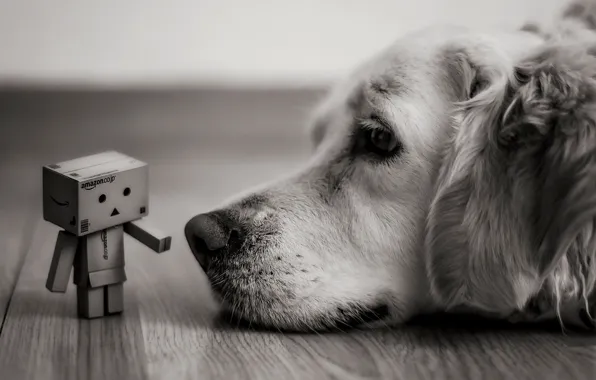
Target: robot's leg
{"points": [[115, 298], [90, 302]]}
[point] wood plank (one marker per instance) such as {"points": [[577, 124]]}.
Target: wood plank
{"points": [[17, 220]]}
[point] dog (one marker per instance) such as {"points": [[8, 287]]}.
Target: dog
{"points": [[452, 171]]}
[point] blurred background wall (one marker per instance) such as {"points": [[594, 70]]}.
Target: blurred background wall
{"points": [[238, 43]]}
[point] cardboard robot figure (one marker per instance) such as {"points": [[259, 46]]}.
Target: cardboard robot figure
{"points": [[95, 200]]}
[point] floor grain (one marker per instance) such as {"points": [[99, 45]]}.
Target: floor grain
{"points": [[169, 327], [17, 222]]}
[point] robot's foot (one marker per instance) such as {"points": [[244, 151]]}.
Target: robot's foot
{"points": [[114, 302], [101, 301]]}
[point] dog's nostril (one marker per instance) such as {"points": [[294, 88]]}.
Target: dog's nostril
{"points": [[206, 235], [234, 236]]}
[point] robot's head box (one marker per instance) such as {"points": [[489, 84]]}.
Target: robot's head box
{"points": [[91, 193]]}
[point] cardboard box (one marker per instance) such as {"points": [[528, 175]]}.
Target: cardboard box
{"points": [[95, 192]]}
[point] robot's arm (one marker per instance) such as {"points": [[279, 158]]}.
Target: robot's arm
{"points": [[64, 254], [152, 238]]}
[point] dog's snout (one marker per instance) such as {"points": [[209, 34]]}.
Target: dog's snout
{"points": [[207, 234]]}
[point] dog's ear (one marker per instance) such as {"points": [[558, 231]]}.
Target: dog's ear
{"points": [[464, 242], [514, 211], [550, 125], [476, 76]]}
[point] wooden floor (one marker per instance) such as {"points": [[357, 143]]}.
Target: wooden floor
{"points": [[202, 146]]}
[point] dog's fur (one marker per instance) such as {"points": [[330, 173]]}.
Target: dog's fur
{"points": [[487, 203]]}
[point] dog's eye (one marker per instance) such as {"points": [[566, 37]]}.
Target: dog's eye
{"points": [[374, 136], [380, 141]]}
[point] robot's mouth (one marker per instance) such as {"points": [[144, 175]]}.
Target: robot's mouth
{"points": [[115, 212], [63, 204]]}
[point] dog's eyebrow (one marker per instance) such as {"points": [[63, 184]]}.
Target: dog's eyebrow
{"points": [[380, 120]]}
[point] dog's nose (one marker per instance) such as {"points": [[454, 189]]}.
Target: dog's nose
{"points": [[206, 235]]}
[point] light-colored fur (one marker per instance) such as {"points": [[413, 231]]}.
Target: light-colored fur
{"points": [[472, 214]]}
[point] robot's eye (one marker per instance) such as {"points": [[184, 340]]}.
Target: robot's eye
{"points": [[102, 198], [126, 192]]}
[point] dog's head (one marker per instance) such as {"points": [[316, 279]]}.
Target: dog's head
{"points": [[341, 242]]}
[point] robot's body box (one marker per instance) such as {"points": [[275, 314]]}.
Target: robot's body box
{"points": [[99, 260]]}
